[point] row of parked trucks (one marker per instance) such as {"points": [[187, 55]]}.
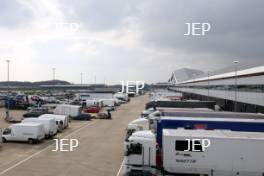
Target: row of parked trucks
{"points": [[160, 142]]}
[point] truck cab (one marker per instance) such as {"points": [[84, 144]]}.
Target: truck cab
{"points": [[137, 125], [146, 112], [140, 153], [148, 122]]}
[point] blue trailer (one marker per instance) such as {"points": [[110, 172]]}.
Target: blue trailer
{"points": [[233, 124]]}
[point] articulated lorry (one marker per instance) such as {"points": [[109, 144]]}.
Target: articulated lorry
{"points": [[208, 123], [181, 104], [230, 153], [151, 121], [254, 123]]}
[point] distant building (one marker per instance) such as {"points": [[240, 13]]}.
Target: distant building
{"points": [[244, 86], [184, 74]]}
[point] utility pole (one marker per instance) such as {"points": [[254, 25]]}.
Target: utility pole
{"points": [[81, 78], [236, 88], [208, 86], [8, 91], [53, 73]]}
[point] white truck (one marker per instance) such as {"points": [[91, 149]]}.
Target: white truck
{"points": [[230, 153], [149, 116], [24, 132], [62, 121], [69, 110], [49, 125], [151, 120], [137, 125], [121, 96], [91, 103], [108, 102]]}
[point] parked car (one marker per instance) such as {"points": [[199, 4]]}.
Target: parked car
{"points": [[102, 115], [36, 112], [93, 109], [83, 117]]}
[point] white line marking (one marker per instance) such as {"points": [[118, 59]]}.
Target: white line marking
{"points": [[120, 169], [35, 154]]}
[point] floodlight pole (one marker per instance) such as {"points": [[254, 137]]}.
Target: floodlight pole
{"points": [[236, 88], [8, 91]]}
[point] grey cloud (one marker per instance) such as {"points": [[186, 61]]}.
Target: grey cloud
{"points": [[13, 14], [237, 28], [99, 15], [236, 34]]}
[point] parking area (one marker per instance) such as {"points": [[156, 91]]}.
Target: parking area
{"points": [[100, 150]]}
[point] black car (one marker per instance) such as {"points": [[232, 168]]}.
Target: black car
{"points": [[83, 117]]}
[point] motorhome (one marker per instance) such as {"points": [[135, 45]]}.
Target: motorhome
{"points": [[220, 158], [26, 132], [49, 125]]}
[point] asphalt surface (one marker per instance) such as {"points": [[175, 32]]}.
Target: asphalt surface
{"points": [[100, 150]]}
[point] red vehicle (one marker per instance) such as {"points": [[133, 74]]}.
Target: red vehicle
{"points": [[93, 109]]}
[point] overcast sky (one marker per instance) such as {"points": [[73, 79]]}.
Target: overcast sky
{"points": [[125, 39]]}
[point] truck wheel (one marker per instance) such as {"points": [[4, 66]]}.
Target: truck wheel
{"points": [[30, 141], [3, 140]]}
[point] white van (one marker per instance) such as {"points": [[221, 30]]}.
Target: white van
{"points": [[61, 119], [49, 125], [59, 123], [69, 110], [25, 132]]}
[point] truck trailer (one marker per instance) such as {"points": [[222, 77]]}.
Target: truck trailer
{"points": [[189, 118], [230, 153], [208, 123], [68, 110]]}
